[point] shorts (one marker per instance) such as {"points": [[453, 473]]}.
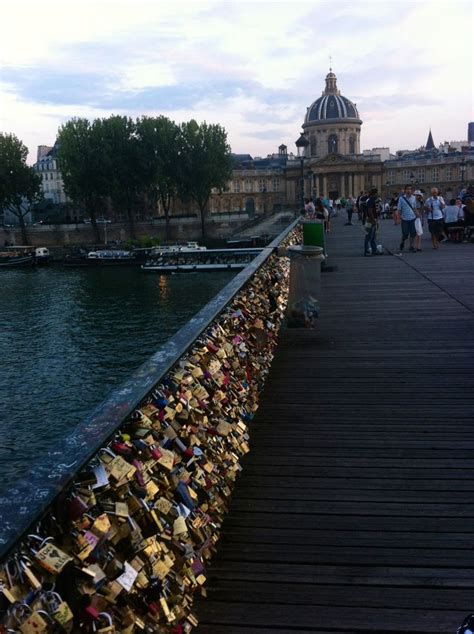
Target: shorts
{"points": [[408, 229], [436, 227]]}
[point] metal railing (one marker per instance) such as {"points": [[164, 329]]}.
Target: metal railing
{"points": [[27, 502]]}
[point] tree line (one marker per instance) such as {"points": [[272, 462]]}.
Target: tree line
{"points": [[124, 160]]}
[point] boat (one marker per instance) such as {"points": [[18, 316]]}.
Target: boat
{"points": [[25, 255], [42, 255], [12, 259], [191, 247], [199, 260], [101, 257]]}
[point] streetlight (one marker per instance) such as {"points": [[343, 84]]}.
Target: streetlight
{"points": [[462, 169], [301, 145]]}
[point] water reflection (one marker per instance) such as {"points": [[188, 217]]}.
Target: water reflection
{"points": [[68, 337]]}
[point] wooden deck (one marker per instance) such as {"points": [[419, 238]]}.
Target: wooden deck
{"points": [[355, 510]]}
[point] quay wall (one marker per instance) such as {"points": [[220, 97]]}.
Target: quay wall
{"points": [[123, 517], [181, 229]]}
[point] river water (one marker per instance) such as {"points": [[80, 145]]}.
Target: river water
{"points": [[68, 337]]}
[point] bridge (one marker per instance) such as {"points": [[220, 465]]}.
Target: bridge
{"points": [[354, 509], [354, 512]]}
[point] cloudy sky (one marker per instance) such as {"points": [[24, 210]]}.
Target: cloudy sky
{"points": [[252, 66]]}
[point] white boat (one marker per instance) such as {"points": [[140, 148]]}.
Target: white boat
{"points": [[179, 248], [42, 255], [199, 260]]}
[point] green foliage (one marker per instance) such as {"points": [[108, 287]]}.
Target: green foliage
{"points": [[82, 165], [153, 156], [159, 149], [205, 162], [20, 185], [124, 163], [143, 243]]}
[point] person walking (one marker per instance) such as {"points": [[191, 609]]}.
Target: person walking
{"points": [[349, 204], [419, 204], [360, 205], [434, 206], [309, 208], [371, 222], [406, 209]]}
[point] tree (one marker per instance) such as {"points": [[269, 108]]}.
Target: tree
{"points": [[82, 165], [124, 164], [159, 152], [205, 162], [20, 185]]}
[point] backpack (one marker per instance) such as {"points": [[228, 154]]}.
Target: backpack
{"points": [[363, 207]]}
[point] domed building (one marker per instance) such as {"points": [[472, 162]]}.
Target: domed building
{"points": [[332, 123]]}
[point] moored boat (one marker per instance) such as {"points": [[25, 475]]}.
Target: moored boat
{"points": [[101, 257], [199, 260], [10, 259]]}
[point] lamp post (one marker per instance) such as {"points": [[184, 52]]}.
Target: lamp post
{"points": [[462, 169], [301, 145]]}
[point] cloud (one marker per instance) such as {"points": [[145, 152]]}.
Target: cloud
{"points": [[252, 66]]}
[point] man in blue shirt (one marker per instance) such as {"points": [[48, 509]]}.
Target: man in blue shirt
{"points": [[406, 208]]}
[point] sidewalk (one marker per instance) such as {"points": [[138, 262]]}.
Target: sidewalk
{"points": [[354, 512]]}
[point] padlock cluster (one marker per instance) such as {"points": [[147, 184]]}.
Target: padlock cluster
{"points": [[125, 549]]}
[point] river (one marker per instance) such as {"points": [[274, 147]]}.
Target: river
{"points": [[68, 337]]}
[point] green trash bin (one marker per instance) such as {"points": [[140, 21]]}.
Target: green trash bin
{"points": [[313, 234]]}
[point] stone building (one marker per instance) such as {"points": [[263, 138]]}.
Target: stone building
{"points": [[334, 166], [47, 166]]}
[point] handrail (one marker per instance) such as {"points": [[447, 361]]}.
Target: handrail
{"points": [[26, 503]]}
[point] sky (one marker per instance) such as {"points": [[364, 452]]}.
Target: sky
{"points": [[252, 66]]}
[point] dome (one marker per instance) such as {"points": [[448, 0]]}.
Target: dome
{"points": [[331, 105]]}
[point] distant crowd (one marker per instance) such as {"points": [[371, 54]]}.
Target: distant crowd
{"points": [[451, 220]]}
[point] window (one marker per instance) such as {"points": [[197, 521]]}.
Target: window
{"points": [[332, 143], [352, 145], [276, 184], [248, 185], [406, 176], [390, 177], [261, 185], [313, 147], [421, 175], [236, 186], [449, 174], [435, 174]]}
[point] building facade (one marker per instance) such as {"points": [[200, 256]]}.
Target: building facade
{"points": [[334, 166], [47, 166]]}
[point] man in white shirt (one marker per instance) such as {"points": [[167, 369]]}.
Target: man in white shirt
{"points": [[406, 208], [434, 206]]}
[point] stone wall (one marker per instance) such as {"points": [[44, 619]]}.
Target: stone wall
{"points": [[182, 229]]}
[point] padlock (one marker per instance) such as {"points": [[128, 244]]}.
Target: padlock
{"points": [[31, 621], [58, 609], [49, 556], [104, 624]]}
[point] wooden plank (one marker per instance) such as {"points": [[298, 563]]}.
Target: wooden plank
{"points": [[272, 615], [327, 574], [354, 510], [344, 521], [343, 554], [321, 537], [351, 595]]}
